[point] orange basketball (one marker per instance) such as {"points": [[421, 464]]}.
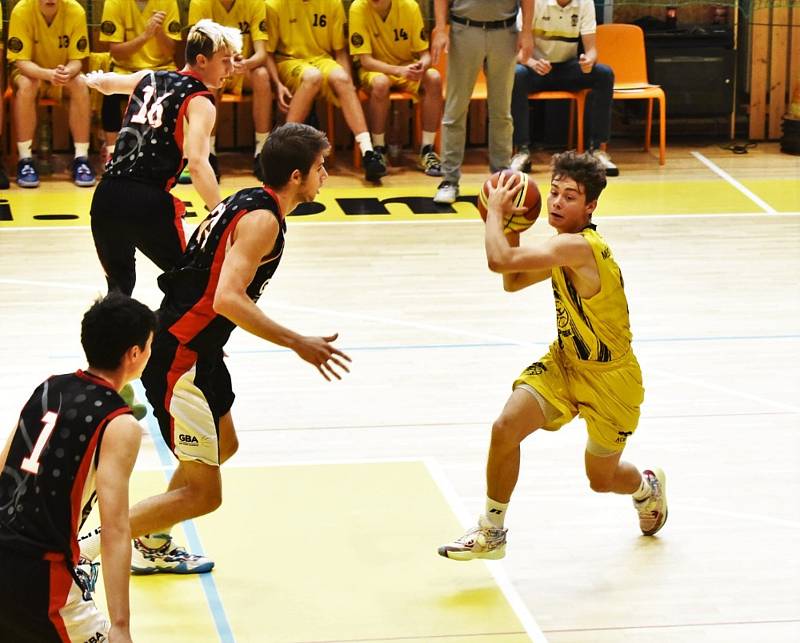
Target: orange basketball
{"points": [[528, 197]]}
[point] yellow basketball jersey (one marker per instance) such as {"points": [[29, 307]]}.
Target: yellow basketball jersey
{"points": [[595, 329], [123, 21], [396, 40], [305, 28], [31, 38], [248, 16]]}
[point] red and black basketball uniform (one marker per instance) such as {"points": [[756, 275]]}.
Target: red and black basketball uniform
{"points": [[187, 310], [191, 334], [47, 487], [149, 146]]}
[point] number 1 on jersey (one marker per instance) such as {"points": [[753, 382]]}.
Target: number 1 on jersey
{"points": [[31, 464]]}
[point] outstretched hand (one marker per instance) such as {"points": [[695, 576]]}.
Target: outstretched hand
{"points": [[321, 353]]}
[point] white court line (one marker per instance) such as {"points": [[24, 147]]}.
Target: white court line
{"points": [[727, 177], [460, 333], [451, 497], [600, 217], [496, 568]]}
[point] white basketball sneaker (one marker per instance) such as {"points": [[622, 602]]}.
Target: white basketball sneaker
{"points": [[170, 558], [479, 542], [653, 509]]}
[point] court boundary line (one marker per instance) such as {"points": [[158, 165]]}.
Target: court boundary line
{"points": [[207, 582], [452, 499], [465, 333], [457, 501], [600, 217], [716, 169]]}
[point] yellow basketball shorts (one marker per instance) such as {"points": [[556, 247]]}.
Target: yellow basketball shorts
{"points": [[607, 395], [399, 83], [46, 89], [291, 74]]}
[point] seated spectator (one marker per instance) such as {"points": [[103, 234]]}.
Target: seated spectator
{"points": [[47, 42], [250, 72], [388, 39], [140, 36], [556, 65], [306, 56]]}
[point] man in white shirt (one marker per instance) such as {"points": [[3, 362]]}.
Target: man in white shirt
{"points": [[558, 27]]}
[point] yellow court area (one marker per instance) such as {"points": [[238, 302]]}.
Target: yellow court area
{"points": [[325, 552], [693, 183]]}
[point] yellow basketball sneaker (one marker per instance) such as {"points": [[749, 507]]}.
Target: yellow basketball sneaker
{"points": [[653, 509], [479, 542]]}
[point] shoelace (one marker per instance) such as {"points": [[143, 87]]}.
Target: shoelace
{"points": [[493, 536], [28, 169], [431, 161]]}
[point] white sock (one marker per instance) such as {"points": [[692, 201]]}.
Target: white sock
{"points": [[428, 138], [110, 149], [81, 149], [644, 490], [154, 541], [364, 142], [379, 140], [90, 544], [24, 149], [212, 148], [261, 138], [495, 512]]}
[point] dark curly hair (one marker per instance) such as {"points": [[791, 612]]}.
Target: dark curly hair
{"points": [[584, 169]]}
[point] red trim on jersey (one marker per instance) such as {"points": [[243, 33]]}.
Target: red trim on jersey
{"points": [[274, 196], [79, 483], [94, 379], [202, 313], [60, 584], [180, 211], [184, 360], [182, 111]]}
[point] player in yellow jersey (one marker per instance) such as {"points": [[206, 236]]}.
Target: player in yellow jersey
{"points": [[47, 42], [250, 72], [590, 369], [388, 39], [306, 56], [141, 35]]}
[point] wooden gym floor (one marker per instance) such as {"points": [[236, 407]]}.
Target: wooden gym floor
{"points": [[341, 492]]}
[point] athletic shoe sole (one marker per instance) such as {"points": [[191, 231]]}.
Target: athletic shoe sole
{"points": [[494, 554]]}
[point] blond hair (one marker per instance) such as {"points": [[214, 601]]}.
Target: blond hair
{"points": [[207, 38]]}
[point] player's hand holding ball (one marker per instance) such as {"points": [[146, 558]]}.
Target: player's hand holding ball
{"points": [[512, 195]]}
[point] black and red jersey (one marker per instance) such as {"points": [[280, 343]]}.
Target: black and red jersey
{"points": [[150, 144], [47, 487], [187, 310]]}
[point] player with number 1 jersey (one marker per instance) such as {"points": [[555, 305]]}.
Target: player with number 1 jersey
{"points": [[132, 207]]}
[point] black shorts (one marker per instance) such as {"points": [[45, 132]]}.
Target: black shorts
{"points": [[189, 393], [41, 603], [127, 215]]}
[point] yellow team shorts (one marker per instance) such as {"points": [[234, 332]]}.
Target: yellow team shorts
{"points": [[399, 83], [291, 71], [46, 90], [607, 395]]}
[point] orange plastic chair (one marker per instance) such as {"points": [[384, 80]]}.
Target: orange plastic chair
{"points": [[621, 47], [576, 108]]}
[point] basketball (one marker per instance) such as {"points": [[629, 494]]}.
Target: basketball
{"points": [[528, 197]]}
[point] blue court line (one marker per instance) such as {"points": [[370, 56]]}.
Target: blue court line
{"points": [[213, 598], [413, 347]]}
